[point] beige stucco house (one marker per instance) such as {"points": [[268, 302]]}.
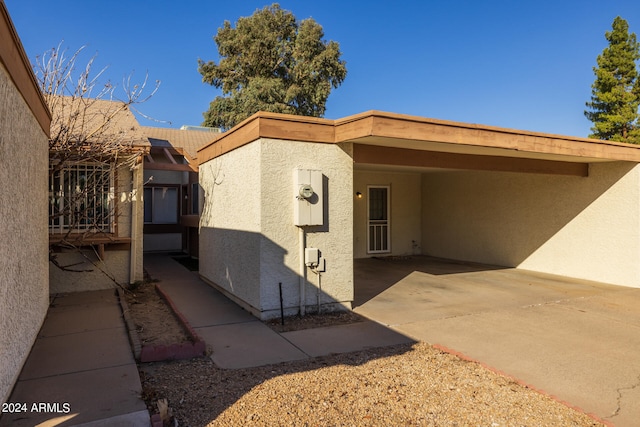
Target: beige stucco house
{"points": [[171, 190], [391, 185], [151, 199], [24, 271], [95, 203]]}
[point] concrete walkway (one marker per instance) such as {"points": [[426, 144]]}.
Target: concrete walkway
{"points": [[82, 363], [239, 340], [82, 366], [576, 340]]}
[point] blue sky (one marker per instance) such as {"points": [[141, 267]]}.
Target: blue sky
{"points": [[518, 64]]}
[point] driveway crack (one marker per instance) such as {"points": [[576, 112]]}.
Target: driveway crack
{"points": [[620, 392]]}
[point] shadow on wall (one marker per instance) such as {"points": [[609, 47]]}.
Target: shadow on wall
{"points": [[504, 218], [82, 270], [258, 274]]}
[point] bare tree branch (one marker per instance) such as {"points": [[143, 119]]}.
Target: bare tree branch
{"points": [[94, 135]]}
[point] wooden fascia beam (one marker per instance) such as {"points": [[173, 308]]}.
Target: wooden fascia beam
{"points": [[187, 157], [180, 167], [372, 154], [168, 155], [398, 127]]}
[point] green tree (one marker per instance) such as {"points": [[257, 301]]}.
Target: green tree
{"points": [[615, 94], [271, 62]]}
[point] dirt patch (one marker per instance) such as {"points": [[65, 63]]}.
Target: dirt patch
{"points": [[154, 321], [297, 323]]}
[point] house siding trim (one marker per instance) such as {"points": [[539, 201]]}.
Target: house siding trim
{"points": [[402, 131]]}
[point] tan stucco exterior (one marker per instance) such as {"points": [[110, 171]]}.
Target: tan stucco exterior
{"points": [[24, 286], [88, 259], [550, 203], [586, 228], [248, 241], [405, 189], [230, 224], [582, 227], [123, 259]]}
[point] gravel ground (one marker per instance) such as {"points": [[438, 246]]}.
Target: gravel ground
{"points": [[400, 385]]}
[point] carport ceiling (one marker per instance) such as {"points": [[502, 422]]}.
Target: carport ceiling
{"points": [[390, 155], [393, 168], [403, 141]]}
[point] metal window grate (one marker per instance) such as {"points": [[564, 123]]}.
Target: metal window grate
{"points": [[81, 198]]}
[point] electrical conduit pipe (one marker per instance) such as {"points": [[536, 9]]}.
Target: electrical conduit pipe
{"points": [[303, 269]]}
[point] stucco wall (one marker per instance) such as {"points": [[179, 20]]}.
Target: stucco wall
{"points": [[230, 223], [248, 242], [116, 266], [579, 227], [334, 239], [94, 274], [405, 211], [24, 291]]}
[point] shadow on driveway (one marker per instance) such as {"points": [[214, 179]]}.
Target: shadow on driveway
{"points": [[573, 339]]}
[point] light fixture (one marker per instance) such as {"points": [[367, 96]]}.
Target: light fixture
{"points": [[358, 195]]}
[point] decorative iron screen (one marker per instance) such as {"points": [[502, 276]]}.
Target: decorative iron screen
{"points": [[81, 198]]}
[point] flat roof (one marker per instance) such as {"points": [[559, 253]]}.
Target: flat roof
{"points": [[373, 129]]}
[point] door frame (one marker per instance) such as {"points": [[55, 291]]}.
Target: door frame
{"points": [[385, 222]]}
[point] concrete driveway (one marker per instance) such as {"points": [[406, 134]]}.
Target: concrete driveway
{"points": [[576, 340]]}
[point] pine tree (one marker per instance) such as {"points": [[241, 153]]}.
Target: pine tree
{"points": [[615, 94], [271, 62]]}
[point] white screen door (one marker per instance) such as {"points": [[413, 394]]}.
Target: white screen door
{"points": [[378, 240]]}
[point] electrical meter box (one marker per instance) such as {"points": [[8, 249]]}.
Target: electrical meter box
{"points": [[311, 257], [307, 193]]}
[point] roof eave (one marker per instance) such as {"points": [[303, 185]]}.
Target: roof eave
{"points": [[391, 129]]}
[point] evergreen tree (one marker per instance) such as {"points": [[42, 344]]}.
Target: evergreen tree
{"points": [[271, 62], [615, 94]]}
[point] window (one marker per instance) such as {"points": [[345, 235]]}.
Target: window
{"points": [[379, 236], [81, 198], [161, 205]]}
